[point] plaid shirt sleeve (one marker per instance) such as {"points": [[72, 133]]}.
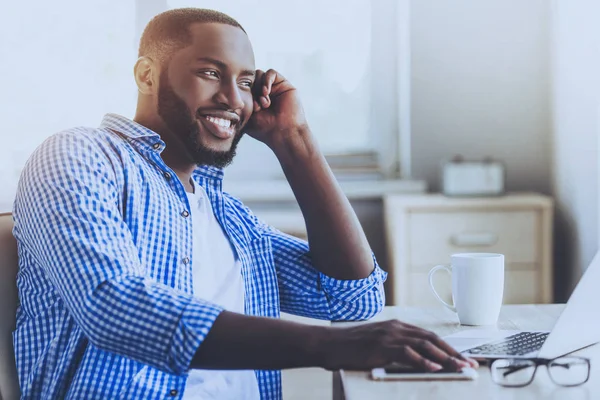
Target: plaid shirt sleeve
{"points": [[310, 293], [68, 218], [307, 292]]}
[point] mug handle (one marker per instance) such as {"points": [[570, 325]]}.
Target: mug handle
{"points": [[437, 296]]}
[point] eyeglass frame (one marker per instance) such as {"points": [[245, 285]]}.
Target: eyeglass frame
{"points": [[539, 361]]}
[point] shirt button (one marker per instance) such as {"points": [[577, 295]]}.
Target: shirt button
{"points": [[185, 214], [167, 175], [173, 392], [156, 146], [186, 261]]}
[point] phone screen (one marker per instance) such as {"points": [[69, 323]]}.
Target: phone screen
{"points": [[401, 369], [395, 372]]}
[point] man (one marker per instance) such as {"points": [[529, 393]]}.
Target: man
{"points": [[140, 279]]}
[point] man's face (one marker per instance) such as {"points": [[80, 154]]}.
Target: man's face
{"points": [[204, 94]]}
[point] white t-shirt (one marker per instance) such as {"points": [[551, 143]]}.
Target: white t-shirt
{"points": [[217, 277]]}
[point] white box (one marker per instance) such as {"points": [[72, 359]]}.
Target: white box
{"points": [[473, 178]]}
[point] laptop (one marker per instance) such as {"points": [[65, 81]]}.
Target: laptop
{"points": [[577, 327]]}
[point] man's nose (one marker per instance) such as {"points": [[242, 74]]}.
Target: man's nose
{"points": [[230, 96]]}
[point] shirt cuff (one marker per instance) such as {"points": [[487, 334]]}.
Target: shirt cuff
{"points": [[352, 290], [196, 321]]}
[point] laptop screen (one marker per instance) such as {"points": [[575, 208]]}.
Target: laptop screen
{"points": [[579, 324]]}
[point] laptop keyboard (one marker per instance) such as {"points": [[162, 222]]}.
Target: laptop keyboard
{"points": [[515, 345]]}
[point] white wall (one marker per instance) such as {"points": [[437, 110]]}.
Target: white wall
{"points": [[576, 109], [520, 81], [480, 87]]}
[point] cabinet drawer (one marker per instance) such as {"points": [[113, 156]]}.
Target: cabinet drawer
{"points": [[434, 236], [520, 287]]}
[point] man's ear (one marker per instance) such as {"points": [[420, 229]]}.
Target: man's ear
{"points": [[145, 72]]}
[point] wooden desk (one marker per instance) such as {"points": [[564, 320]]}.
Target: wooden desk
{"points": [[358, 386]]}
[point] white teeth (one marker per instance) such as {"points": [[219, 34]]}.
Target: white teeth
{"points": [[225, 123]]}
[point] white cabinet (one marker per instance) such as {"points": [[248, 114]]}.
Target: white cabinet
{"points": [[424, 230]]}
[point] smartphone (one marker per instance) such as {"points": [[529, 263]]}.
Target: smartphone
{"points": [[402, 373]]}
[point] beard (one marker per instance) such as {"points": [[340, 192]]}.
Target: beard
{"points": [[183, 123]]}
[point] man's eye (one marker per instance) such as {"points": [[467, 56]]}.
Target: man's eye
{"points": [[247, 83], [212, 74]]}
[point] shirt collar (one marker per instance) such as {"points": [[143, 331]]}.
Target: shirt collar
{"points": [[204, 171], [129, 128], [150, 140]]}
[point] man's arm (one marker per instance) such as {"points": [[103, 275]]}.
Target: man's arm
{"points": [[338, 245], [239, 341]]}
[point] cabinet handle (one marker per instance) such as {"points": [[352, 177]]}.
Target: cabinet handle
{"points": [[481, 239]]}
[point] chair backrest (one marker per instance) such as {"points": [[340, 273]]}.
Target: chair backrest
{"points": [[9, 383]]}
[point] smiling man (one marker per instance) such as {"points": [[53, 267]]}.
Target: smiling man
{"points": [[141, 279]]}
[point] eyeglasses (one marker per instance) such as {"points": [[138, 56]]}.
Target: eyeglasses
{"points": [[519, 372]]}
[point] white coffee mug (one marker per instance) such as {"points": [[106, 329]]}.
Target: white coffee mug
{"points": [[477, 287]]}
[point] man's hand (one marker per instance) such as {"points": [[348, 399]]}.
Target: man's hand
{"points": [[378, 344], [278, 112], [239, 341]]}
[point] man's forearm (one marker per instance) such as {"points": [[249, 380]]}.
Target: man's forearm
{"points": [[338, 245], [238, 341]]}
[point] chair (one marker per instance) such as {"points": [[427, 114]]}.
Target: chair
{"points": [[9, 383]]}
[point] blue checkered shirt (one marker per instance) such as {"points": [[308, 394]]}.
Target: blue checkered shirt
{"points": [[105, 282]]}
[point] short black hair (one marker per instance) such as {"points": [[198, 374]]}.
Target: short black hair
{"points": [[169, 31]]}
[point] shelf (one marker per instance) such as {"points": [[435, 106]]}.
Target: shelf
{"points": [[279, 190]]}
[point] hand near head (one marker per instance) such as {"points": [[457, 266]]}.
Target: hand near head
{"points": [[277, 108]]}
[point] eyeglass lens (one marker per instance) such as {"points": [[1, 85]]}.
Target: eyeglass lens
{"points": [[513, 372], [569, 371], [564, 371]]}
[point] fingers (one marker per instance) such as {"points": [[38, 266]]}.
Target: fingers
{"points": [[436, 349], [440, 343], [411, 357], [257, 89], [269, 79], [262, 90], [433, 353]]}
